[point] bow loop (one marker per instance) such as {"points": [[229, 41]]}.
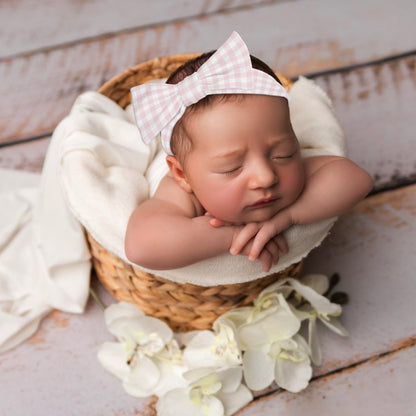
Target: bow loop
{"points": [[191, 90]]}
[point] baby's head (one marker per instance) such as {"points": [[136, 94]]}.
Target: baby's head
{"points": [[226, 127], [181, 142], [237, 153]]}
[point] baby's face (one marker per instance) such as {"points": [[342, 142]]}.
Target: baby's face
{"points": [[245, 163]]}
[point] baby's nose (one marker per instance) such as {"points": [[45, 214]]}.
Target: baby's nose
{"points": [[263, 176]]}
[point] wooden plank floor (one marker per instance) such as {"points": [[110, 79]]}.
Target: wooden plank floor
{"points": [[362, 53]]}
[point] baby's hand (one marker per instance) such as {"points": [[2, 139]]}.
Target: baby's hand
{"points": [[216, 222], [261, 233], [268, 257], [269, 254]]}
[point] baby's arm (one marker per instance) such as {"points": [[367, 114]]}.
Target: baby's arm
{"points": [[167, 232], [333, 186]]}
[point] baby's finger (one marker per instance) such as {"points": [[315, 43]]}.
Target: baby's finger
{"points": [[264, 235], [215, 222], [273, 249], [281, 242], [243, 237], [266, 260]]}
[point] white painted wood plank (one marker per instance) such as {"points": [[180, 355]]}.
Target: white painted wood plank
{"points": [[376, 107], [50, 80], [382, 387], [373, 248], [25, 156], [294, 34], [56, 372], [28, 25]]}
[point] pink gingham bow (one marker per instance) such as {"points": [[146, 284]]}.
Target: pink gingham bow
{"points": [[158, 107]]}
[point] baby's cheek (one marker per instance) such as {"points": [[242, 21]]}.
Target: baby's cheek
{"points": [[294, 183], [228, 206]]}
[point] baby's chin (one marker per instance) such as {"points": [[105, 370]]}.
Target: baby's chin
{"points": [[255, 215]]}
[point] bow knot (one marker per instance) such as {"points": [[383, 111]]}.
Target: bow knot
{"points": [[191, 90]]}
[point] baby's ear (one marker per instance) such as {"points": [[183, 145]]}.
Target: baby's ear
{"points": [[178, 173]]}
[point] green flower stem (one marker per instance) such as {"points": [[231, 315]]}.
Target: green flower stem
{"points": [[97, 299]]}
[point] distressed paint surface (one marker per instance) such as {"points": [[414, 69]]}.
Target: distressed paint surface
{"points": [[50, 80], [345, 32], [376, 107], [372, 248], [72, 20], [25, 156], [382, 386]]}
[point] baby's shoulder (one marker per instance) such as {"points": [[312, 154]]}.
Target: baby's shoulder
{"points": [[172, 193], [313, 163]]}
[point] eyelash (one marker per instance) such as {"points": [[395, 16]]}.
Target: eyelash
{"points": [[234, 171], [231, 172], [284, 157]]}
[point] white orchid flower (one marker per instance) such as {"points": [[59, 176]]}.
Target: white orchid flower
{"points": [[272, 349], [311, 288], [216, 393], [217, 349], [146, 358]]}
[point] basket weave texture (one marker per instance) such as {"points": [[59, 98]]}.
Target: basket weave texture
{"points": [[182, 306]]}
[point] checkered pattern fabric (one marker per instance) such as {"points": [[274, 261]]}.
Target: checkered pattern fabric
{"points": [[158, 107]]}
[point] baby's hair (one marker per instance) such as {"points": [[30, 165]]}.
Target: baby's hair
{"points": [[180, 142]]}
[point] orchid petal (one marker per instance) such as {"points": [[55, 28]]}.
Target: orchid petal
{"points": [[121, 310], [320, 303], [141, 331], [126, 329], [280, 286], [112, 356], [238, 316], [334, 325], [171, 377], [177, 402], [198, 352], [143, 378], [234, 401], [211, 406], [318, 282], [316, 356], [279, 325], [231, 379], [258, 369], [208, 374], [292, 375]]}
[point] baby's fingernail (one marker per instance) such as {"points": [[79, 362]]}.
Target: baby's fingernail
{"points": [[233, 251]]}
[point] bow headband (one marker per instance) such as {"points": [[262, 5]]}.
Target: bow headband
{"points": [[158, 107]]}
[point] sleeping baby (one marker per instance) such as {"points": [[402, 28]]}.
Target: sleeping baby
{"points": [[236, 177]]}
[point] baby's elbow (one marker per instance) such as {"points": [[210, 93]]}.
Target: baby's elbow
{"points": [[367, 183], [130, 250], [136, 249]]}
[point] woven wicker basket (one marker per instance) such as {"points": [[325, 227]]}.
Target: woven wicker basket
{"points": [[183, 306]]}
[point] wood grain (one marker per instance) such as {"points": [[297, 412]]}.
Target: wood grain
{"points": [[28, 156], [49, 80], [376, 107], [382, 386], [55, 23]]}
